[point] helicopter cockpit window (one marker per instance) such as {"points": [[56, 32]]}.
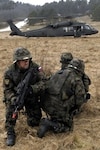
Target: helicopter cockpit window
{"points": [[87, 27], [91, 27], [81, 27], [65, 29]]}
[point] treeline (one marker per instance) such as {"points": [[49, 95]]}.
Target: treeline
{"points": [[18, 11], [14, 11]]}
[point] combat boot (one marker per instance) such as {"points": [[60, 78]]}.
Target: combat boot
{"points": [[11, 137], [46, 125]]}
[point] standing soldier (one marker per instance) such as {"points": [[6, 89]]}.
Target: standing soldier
{"points": [[22, 63]]}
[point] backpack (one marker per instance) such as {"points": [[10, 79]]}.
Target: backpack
{"points": [[56, 82]]}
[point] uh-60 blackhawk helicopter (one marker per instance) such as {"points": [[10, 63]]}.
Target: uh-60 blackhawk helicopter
{"points": [[59, 29]]}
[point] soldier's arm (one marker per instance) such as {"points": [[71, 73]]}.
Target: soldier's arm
{"points": [[41, 73], [40, 84], [8, 87], [86, 81], [39, 70], [80, 93]]}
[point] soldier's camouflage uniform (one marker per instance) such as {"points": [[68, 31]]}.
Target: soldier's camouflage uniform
{"points": [[66, 58], [12, 78], [65, 93]]}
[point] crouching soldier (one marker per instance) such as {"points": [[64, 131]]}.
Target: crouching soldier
{"points": [[13, 76], [65, 93], [65, 60]]}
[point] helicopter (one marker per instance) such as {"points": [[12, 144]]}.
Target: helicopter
{"points": [[59, 29]]}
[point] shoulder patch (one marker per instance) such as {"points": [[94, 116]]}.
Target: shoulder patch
{"points": [[40, 68]]}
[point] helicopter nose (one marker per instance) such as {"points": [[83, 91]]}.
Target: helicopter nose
{"points": [[96, 31]]}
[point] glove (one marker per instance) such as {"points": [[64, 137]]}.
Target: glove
{"points": [[38, 87]]}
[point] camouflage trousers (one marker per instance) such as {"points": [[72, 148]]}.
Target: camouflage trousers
{"points": [[33, 113], [58, 111]]}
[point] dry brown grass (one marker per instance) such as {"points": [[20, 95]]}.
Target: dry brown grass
{"points": [[46, 52]]}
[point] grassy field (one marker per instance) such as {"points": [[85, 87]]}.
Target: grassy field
{"points": [[46, 52]]}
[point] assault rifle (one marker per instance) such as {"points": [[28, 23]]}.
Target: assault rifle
{"points": [[22, 91]]}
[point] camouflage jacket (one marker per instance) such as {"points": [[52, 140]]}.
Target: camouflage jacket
{"points": [[13, 76], [66, 90]]}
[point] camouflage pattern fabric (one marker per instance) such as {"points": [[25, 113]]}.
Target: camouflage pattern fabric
{"points": [[66, 91], [12, 78], [65, 59], [86, 81], [21, 53]]}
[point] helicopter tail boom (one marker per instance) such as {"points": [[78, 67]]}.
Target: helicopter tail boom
{"points": [[14, 29]]}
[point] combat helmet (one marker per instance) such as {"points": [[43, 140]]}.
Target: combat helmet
{"points": [[21, 53], [77, 64], [66, 57]]}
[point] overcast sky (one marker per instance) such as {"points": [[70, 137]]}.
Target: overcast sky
{"points": [[36, 2]]}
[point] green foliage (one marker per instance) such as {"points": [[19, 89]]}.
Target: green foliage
{"points": [[96, 13], [11, 10], [33, 14], [49, 13], [7, 5], [38, 16]]}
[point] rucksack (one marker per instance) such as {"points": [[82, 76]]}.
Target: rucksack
{"points": [[57, 81]]}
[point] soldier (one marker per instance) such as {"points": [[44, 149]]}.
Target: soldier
{"points": [[86, 81], [66, 58], [77, 31], [22, 62], [64, 94]]}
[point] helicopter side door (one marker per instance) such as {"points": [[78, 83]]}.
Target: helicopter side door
{"points": [[68, 31]]}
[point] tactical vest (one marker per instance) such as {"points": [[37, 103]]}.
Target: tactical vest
{"points": [[56, 82], [58, 97]]}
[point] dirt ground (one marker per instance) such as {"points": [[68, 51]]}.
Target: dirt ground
{"points": [[46, 52]]}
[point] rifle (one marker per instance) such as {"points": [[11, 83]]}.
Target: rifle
{"points": [[22, 90]]}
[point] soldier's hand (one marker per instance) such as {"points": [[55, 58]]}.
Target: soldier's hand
{"points": [[40, 86]]}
